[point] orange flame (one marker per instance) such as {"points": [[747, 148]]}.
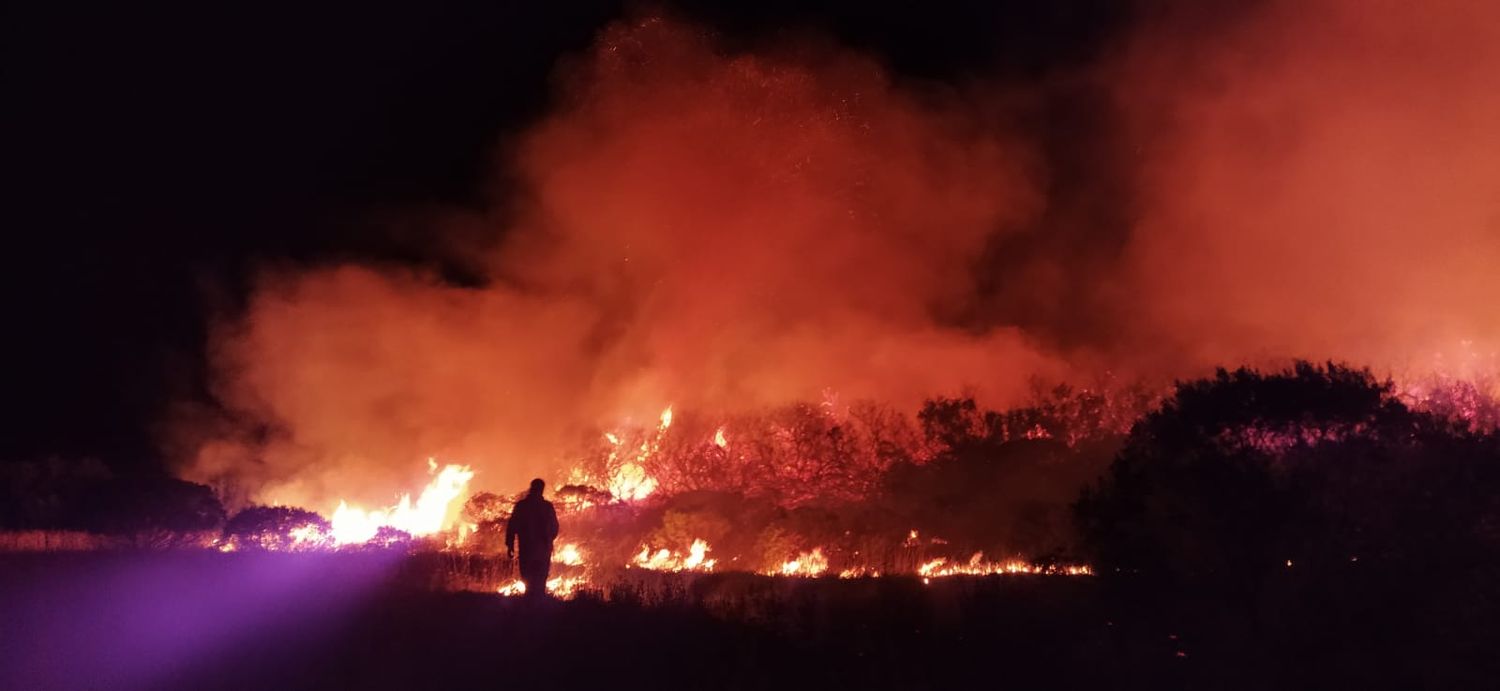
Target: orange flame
{"points": [[667, 560], [428, 515], [806, 564], [568, 555]]}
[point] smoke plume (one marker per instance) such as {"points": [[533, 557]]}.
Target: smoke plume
{"points": [[724, 230], [695, 227], [1319, 180]]}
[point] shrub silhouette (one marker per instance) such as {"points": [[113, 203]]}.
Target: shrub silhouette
{"points": [[1239, 475], [270, 527]]}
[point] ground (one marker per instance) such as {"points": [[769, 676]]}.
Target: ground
{"points": [[204, 620]]}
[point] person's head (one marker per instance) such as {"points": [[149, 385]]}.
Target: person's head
{"points": [[537, 486]]}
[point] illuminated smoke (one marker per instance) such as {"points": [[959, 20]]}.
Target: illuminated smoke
{"points": [[716, 230], [722, 231], [1318, 179]]}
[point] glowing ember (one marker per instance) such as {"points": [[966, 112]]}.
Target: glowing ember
{"points": [[428, 515], [719, 439]]}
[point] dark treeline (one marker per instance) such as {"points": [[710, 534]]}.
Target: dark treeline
{"points": [[1226, 480], [1320, 529], [1279, 529]]}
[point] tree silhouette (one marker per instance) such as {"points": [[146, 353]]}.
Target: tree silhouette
{"points": [[1247, 473], [149, 506], [271, 527]]}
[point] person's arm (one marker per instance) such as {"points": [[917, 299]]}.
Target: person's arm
{"points": [[510, 532], [551, 523]]}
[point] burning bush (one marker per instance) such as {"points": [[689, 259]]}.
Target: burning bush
{"points": [[487, 507]]}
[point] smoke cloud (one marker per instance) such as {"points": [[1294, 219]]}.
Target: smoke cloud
{"points": [[725, 230], [714, 230], [1319, 180]]}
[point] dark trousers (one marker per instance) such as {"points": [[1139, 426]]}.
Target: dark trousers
{"points": [[534, 571]]}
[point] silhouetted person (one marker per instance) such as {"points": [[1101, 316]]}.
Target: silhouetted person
{"points": [[535, 522]]}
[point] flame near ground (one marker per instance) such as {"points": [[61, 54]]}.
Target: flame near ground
{"points": [[435, 515]]}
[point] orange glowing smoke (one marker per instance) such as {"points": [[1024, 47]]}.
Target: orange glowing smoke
{"points": [[727, 230], [1318, 180], [721, 230]]}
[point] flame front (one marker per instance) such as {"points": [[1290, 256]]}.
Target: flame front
{"points": [[806, 564], [977, 566], [427, 516], [631, 483], [666, 560], [626, 477], [564, 587]]}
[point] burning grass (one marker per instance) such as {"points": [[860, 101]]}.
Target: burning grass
{"points": [[1326, 530], [382, 619], [373, 619]]}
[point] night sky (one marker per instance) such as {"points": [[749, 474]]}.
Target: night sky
{"points": [[158, 156]]}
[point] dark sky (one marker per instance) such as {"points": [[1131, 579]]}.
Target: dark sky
{"points": [[156, 155]]}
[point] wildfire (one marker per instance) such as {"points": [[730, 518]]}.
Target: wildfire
{"points": [[977, 566], [426, 516], [627, 478], [666, 560], [806, 564], [515, 587], [309, 536], [568, 555], [563, 587], [631, 483], [810, 564]]}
